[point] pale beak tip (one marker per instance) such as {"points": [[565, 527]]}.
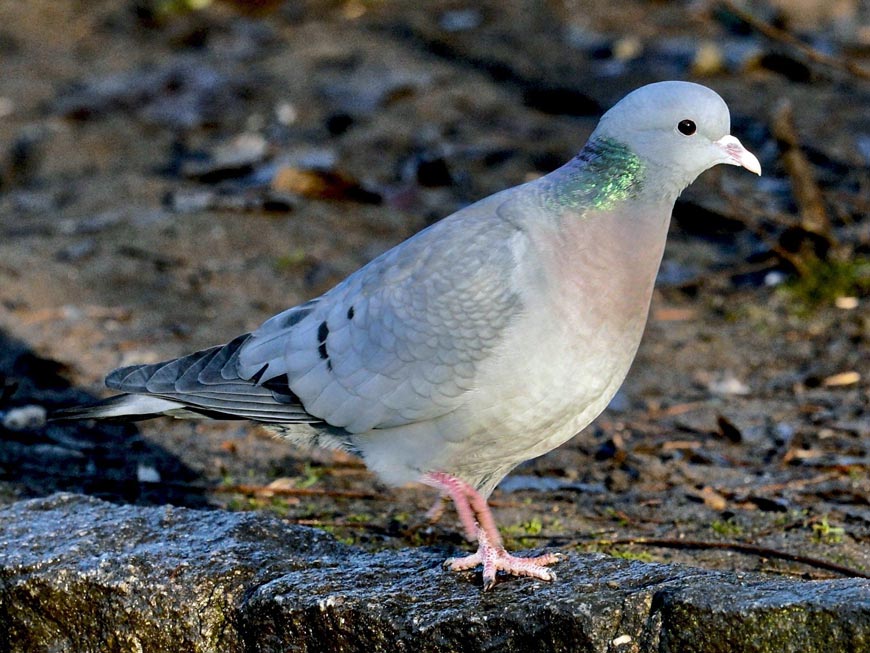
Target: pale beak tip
{"points": [[751, 163], [738, 155]]}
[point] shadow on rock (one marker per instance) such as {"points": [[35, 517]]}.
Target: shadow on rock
{"points": [[108, 460]]}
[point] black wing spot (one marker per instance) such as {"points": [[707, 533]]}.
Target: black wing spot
{"points": [[350, 313], [259, 374], [278, 384], [296, 317], [280, 388], [322, 335]]}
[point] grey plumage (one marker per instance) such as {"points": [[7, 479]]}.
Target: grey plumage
{"points": [[487, 339]]}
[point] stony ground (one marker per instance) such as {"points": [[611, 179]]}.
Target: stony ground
{"points": [[169, 180]]}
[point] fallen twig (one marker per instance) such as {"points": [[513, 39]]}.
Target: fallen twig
{"points": [[793, 484], [266, 491], [813, 215], [740, 547], [782, 36], [360, 525], [676, 409], [784, 255], [750, 549]]}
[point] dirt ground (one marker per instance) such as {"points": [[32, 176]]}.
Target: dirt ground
{"points": [[171, 178]]}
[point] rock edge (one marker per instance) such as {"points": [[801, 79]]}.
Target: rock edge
{"points": [[79, 574]]}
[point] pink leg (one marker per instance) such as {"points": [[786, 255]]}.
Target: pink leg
{"points": [[456, 490], [437, 510], [490, 549]]}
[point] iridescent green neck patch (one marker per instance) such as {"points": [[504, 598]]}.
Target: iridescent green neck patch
{"points": [[603, 173]]}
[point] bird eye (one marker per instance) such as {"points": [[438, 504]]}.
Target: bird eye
{"points": [[687, 127]]}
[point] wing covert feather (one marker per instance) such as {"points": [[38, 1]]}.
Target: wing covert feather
{"points": [[400, 340]]}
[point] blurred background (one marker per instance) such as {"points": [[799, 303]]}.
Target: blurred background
{"points": [[174, 172]]}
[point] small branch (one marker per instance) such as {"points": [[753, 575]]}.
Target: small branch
{"points": [[750, 549], [361, 525], [676, 409], [814, 217], [781, 36], [794, 484], [266, 491], [795, 259]]}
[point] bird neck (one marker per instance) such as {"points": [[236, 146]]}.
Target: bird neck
{"points": [[606, 208], [603, 174]]}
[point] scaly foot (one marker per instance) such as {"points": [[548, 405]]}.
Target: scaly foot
{"points": [[495, 558], [476, 518]]}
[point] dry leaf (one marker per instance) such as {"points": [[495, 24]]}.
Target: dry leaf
{"points": [[843, 378]]}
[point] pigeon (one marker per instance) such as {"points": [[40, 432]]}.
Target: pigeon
{"points": [[487, 339]]}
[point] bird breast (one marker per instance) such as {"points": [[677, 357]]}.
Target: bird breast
{"points": [[589, 287]]}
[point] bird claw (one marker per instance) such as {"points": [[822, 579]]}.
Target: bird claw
{"points": [[496, 558], [478, 523]]}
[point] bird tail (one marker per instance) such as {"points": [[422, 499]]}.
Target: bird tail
{"points": [[127, 407], [202, 384]]}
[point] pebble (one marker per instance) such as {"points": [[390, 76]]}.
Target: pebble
{"points": [[76, 251], [147, 474], [460, 20], [23, 418], [727, 384]]}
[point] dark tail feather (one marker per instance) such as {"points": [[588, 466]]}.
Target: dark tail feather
{"points": [[125, 407], [203, 384]]}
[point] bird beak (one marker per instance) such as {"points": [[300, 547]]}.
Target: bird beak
{"points": [[737, 155]]}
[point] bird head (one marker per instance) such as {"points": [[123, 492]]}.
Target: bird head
{"points": [[678, 130]]}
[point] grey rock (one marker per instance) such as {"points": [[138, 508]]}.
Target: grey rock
{"points": [[23, 418], [674, 274], [525, 482], [181, 94], [460, 20], [93, 224], [75, 252], [371, 87], [34, 202], [184, 200], [79, 574], [236, 157]]}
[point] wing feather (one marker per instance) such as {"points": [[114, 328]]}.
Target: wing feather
{"points": [[208, 380], [399, 341]]}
